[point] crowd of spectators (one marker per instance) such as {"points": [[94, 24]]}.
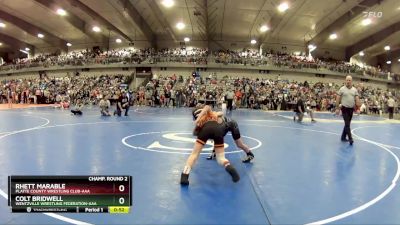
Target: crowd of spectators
{"points": [[297, 61], [197, 56], [183, 91], [259, 93], [46, 90]]}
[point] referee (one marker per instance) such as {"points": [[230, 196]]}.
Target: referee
{"points": [[346, 100], [229, 98], [390, 103]]}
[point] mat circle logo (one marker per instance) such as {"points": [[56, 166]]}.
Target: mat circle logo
{"points": [[179, 142]]}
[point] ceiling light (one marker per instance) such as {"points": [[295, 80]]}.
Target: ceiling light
{"points": [[27, 49], [180, 25], [253, 41], [361, 53], [61, 12], [40, 35], [264, 28], [2, 24], [313, 27], [118, 40], [311, 47], [283, 7], [387, 48], [333, 36], [69, 44], [1, 44], [96, 29], [168, 3], [397, 60], [366, 22], [186, 39], [389, 62]]}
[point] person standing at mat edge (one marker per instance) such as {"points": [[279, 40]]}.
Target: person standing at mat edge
{"points": [[346, 100], [390, 103], [229, 98]]}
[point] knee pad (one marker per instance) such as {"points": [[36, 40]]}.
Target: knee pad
{"points": [[232, 124], [234, 128], [221, 159]]}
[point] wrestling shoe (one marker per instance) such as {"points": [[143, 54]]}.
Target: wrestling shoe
{"points": [[249, 157]]}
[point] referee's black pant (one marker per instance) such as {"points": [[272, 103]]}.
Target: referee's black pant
{"points": [[230, 104], [347, 114], [391, 110]]}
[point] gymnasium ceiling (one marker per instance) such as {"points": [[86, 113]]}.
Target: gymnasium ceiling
{"points": [[305, 21]]}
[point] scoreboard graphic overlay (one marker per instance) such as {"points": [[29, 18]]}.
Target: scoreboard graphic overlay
{"points": [[70, 194]]}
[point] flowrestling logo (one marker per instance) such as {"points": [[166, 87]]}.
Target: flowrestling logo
{"points": [[372, 14]]}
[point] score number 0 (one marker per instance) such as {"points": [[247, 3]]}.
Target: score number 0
{"points": [[121, 200]]}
